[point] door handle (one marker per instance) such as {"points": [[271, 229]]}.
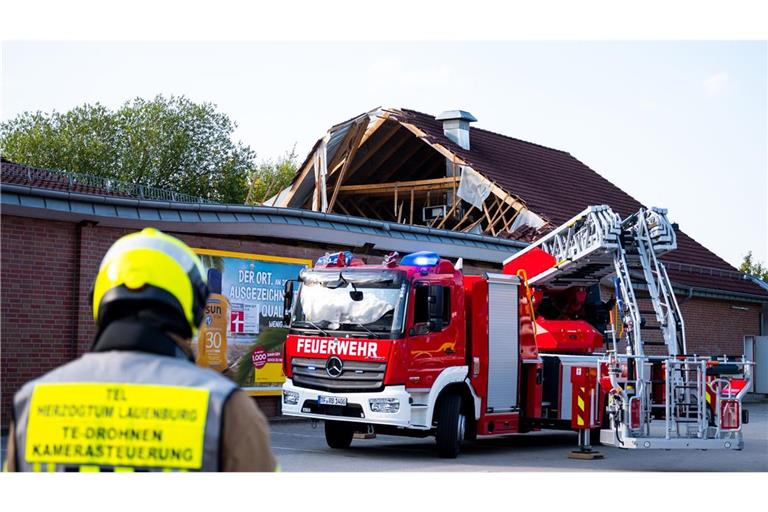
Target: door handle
{"points": [[449, 351]]}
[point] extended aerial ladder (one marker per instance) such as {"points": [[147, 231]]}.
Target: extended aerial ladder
{"points": [[700, 395]]}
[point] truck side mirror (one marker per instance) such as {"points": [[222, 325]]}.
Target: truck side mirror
{"points": [[435, 300], [287, 302]]}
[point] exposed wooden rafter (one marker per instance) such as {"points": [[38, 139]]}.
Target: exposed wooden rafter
{"points": [[357, 135], [372, 128], [418, 165], [344, 210], [393, 169], [366, 152], [393, 187]]}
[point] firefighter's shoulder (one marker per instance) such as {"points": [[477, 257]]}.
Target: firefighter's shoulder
{"points": [[245, 436]]}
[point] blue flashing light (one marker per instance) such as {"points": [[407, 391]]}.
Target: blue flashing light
{"points": [[421, 259]]}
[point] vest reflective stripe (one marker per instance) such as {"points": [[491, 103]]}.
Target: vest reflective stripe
{"points": [[128, 368]]}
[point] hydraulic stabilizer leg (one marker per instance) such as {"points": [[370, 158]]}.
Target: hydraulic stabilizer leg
{"points": [[585, 451]]}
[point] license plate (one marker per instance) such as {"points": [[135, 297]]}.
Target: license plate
{"points": [[331, 400]]}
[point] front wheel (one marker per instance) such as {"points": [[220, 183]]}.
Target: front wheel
{"points": [[338, 434], [451, 427]]}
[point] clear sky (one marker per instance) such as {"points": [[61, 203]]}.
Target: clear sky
{"points": [[678, 125]]}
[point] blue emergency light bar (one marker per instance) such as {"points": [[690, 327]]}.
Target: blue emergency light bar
{"points": [[332, 259], [421, 259]]}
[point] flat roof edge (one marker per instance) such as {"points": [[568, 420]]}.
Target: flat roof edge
{"points": [[257, 210]]}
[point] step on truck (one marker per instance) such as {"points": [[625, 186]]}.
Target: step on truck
{"points": [[414, 347]]}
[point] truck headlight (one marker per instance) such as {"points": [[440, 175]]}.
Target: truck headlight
{"points": [[290, 397], [390, 405]]}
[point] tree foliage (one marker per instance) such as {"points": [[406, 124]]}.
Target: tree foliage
{"points": [[167, 142], [752, 267], [270, 177]]}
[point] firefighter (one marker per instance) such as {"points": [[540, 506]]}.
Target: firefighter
{"points": [[137, 401]]}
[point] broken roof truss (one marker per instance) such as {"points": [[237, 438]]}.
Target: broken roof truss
{"points": [[380, 166]]}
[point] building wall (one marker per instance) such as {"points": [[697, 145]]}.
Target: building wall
{"points": [[41, 331], [37, 300], [48, 268], [712, 326], [718, 327]]}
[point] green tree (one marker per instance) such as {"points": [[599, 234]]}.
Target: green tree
{"points": [[270, 177], [755, 268], [167, 142]]}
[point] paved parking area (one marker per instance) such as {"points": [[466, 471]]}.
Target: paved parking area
{"points": [[300, 447]]}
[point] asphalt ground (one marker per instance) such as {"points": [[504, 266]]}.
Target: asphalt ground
{"points": [[300, 447]]}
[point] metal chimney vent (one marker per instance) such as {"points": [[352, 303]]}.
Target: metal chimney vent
{"points": [[456, 126]]}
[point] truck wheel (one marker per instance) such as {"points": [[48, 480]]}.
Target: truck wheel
{"points": [[338, 434], [451, 425], [470, 432]]}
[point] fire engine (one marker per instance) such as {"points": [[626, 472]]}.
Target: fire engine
{"points": [[415, 347]]}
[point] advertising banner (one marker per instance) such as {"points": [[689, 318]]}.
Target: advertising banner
{"points": [[242, 331]]}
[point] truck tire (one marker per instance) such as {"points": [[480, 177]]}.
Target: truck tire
{"points": [[338, 434], [470, 432], [451, 425]]}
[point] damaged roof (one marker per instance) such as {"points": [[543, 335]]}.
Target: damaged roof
{"points": [[556, 186]]}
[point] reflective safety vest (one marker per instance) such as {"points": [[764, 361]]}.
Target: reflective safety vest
{"points": [[121, 411]]}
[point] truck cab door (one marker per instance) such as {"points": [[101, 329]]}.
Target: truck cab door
{"points": [[433, 341]]}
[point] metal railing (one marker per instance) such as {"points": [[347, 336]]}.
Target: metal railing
{"points": [[75, 182]]}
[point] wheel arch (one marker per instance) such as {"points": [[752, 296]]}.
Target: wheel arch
{"points": [[467, 400], [449, 378], [454, 381]]}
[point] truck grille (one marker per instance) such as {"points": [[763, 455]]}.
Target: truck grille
{"points": [[356, 376]]}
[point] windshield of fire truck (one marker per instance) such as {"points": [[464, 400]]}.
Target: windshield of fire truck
{"points": [[325, 301]]}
